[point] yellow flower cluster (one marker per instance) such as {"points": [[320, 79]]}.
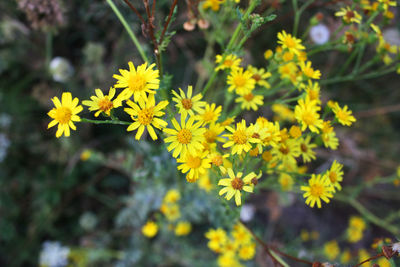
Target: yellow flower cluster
{"points": [[356, 229], [233, 247]]}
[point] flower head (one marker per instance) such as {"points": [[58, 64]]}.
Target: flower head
{"points": [[250, 101], [319, 187], [230, 62], [306, 113], [195, 165], [188, 104], [150, 229], [64, 114], [343, 115], [241, 81], [291, 43], [185, 137], [137, 81], [146, 115], [102, 103], [240, 139], [235, 184], [349, 15]]}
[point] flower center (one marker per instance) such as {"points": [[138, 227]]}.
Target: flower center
{"points": [[210, 136], [208, 116], [290, 43], [248, 97], [308, 117], [239, 80], [237, 183], [184, 136], [256, 135], [332, 177], [256, 77], [341, 115], [316, 190], [350, 14], [145, 116], [217, 160], [63, 115], [193, 162], [228, 63], [187, 103], [284, 150], [137, 83], [105, 104], [239, 137], [304, 148]]}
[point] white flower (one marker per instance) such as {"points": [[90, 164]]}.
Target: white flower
{"points": [[247, 213], [396, 247], [53, 255], [61, 69], [319, 34]]}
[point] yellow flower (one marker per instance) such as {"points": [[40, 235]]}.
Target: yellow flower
{"points": [[286, 181], [187, 104], [102, 103], [186, 137], [228, 259], [295, 131], [268, 54], [283, 112], [240, 138], [171, 211], [183, 228], [287, 151], [250, 101], [210, 114], [196, 164], [306, 149], [230, 62], [313, 91], [204, 182], [346, 257], [260, 76], [241, 234], [364, 255], [150, 229], [211, 135], [330, 140], [241, 81], [137, 82], [64, 114], [335, 175], [331, 250], [309, 71], [145, 115], [349, 15], [217, 239], [291, 43], [86, 154], [383, 262], [387, 3], [213, 4], [306, 113], [319, 187], [247, 252], [343, 115], [357, 222], [172, 196], [235, 184]]}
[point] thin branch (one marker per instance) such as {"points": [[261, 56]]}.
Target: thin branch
{"points": [[370, 259], [171, 12], [135, 10]]}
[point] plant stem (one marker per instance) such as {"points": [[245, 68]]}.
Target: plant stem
{"points": [[235, 35], [128, 29], [84, 120], [368, 215], [49, 48]]}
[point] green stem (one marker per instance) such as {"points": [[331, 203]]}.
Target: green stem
{"points": [[49, 48], [368, 215], [251, 7], [351, 77], [359, 58], [128, 29], [84, 120]]}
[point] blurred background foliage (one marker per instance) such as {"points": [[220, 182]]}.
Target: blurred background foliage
{"points": [[94, 190]]}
